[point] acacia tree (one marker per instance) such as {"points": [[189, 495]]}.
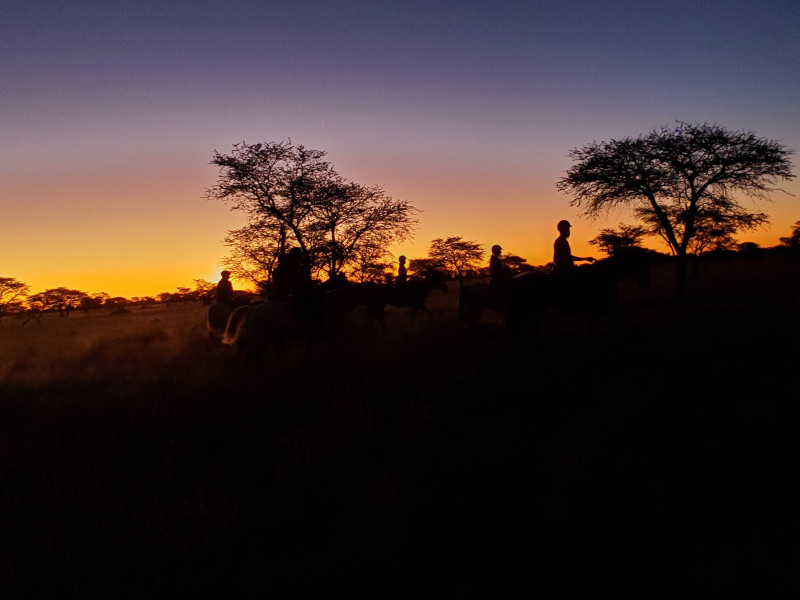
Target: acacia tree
{"points": [[204, 290], [292, 196], [515, 264], [94, 301], [63, 299], [428, 267], [12, 292], [254, 251], [371, 262], [679, 180], [625, 236], [457, 255]]}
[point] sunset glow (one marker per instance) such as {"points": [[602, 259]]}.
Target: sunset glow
{"points": [[111, 112]]}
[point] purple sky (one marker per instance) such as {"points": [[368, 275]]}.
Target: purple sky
{"points": [[110, 112]]}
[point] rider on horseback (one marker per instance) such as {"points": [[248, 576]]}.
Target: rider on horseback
{"points": [[498, 271], [562, 254], [223, 293], [402, 273]]}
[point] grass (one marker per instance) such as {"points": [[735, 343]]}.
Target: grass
{"points": [[138, 459]]}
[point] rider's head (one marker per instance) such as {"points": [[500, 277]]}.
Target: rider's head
{"points": [[225, 274], [563, 227], [496, 249]]}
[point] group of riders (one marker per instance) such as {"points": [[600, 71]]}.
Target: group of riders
{"points": [[563, 259], [291, 279]]}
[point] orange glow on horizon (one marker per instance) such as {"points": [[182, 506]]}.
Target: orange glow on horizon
{"points": [[147, 230]]}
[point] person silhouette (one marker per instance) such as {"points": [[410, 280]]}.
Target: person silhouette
{"points": [[298, 271], [562, 253], [401, 271], [498, 271], [223, 293], [291, 276], [292, 283]]}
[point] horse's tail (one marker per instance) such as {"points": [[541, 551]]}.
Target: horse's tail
{"points": [[233, 328], [216, 318]]}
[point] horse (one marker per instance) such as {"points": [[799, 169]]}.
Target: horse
{"points": [[478, 297], [592, 289], [412, 294], [217, 315], [305, 319]]}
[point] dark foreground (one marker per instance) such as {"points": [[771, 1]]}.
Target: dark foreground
{"points": [[658, 459]]}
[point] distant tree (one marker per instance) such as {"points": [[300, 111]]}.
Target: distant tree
{"points": [[184, 294], [117, 304], [724, 242], [457, 255], [291, 195], [94, 301], [254, 251], [625, 236], [516, 264], [37, 305], [371, 262], [62, 299], [676, 178], [12, 293], [143, 301], [427, 267], [204, 290], [793, 240], [747, 248]]}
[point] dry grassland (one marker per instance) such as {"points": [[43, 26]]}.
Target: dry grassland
{"points": [[139, 459]]}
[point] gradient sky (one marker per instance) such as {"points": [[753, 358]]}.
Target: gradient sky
{"points": [[110, 111]]}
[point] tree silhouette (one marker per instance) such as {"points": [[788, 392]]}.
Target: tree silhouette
{"points": [[457, 255], [514, 263], [371, 262], [94, 301], [679, 180], [793, 240], [291, 195], [12, 293], [625, 236], [254, 251], [428, 267], [204, 290], [63, 299]]}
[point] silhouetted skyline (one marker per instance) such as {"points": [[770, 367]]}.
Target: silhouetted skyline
{"points": [[466, 109]]}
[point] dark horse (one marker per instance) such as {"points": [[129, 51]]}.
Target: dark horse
{"points": [[592, 289], [412, 294], [307, 319]]}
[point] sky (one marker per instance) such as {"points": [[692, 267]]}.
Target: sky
{"points": [[110, 112]]}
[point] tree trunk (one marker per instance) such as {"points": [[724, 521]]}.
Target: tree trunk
{"points": [[680, 281]]}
